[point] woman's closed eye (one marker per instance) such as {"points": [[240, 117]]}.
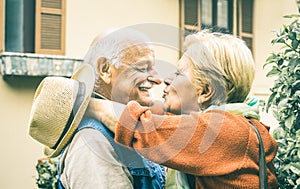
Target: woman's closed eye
{"points": [[177, 73]]}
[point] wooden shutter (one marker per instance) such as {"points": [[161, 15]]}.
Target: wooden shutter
{"points": [[189, 18], [50, 27], [245, 25]]}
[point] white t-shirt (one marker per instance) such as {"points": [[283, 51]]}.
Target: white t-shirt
{"points": [[90, 161]]}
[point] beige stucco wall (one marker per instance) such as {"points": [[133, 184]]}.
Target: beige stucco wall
{"points": [[268, 17], [19, 151], [85, 19]]}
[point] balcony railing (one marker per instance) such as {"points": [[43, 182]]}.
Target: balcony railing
{"points": [[27, 64]]}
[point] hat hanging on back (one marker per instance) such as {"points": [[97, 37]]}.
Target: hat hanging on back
{"points": [[58, 106]]}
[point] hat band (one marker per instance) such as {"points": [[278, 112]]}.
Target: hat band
{"points": [[78, 101]]}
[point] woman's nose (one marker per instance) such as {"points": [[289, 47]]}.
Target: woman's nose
{"points": [[166, 89], [168, 80]]}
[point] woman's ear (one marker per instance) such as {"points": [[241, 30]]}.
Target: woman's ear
{"points": [[204, 96], [103, 68]]}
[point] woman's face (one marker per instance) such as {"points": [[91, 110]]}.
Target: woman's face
{"points": [[179, 94]]}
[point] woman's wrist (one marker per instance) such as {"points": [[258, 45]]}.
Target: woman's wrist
{"points": [[105, 111]]}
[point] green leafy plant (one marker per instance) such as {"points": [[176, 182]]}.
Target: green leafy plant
{"points": [[284, 102], [47, 173]]}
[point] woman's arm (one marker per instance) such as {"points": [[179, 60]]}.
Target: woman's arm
{"points": [[106, 111], [194, 143], [109, 112], [188, 143]]}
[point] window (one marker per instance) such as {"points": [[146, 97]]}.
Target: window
{"points": [[245, 21], [226, 16], [33, 26], [32, 34], [213, 14]]}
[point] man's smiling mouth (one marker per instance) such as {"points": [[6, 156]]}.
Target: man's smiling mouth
{"points": [[145, 86]]}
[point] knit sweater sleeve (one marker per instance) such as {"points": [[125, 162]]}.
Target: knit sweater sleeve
{"points": [[197, 143]]}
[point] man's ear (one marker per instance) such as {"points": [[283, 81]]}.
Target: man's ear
{"points": [[204, 96], [103, 68]]}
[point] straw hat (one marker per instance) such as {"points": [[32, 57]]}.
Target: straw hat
{"points": [[58, 106]]}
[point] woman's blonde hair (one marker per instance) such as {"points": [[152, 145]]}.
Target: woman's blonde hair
{"points": [[207, 76], [234, 58]]}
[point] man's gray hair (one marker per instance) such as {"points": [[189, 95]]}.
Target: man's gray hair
{"points": [[111, 44]]}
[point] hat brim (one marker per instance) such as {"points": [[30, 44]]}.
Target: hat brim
{"points": [[86, 75]]}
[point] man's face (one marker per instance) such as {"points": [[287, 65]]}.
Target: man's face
{"points": [[135, 77], [179, 94]]}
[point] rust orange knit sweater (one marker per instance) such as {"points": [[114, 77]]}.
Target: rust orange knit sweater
{"points": [[219, 148]]}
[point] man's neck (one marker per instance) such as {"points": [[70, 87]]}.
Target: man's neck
{"points": [[97, 95], [102, 90]]}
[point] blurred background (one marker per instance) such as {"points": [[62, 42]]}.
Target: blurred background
{"points": [[40, 38]]}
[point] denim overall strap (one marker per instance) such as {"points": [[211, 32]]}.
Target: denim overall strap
{"points": [[146, 174], [59, 184]]}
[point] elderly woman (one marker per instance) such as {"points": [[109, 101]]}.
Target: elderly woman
{"points": [[207, 134]]}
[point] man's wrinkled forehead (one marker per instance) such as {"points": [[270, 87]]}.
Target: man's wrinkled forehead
{"points": [[137, 54]]}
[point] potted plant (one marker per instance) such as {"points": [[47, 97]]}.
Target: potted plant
{"points": [[47, 173]]}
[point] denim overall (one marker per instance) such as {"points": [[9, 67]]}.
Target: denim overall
{"points": [[146, 174]]}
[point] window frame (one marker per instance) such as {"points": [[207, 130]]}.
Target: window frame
{"points": [[234, 18]]}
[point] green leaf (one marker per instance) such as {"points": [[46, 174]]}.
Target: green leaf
{"points": [[280, 38], [274, 72], [296, 85], [270, 60], [298, 36], [295, 43], [271, 57], [288, 51], [290, 181], [295, 168], [293, 63], [285, 29], [292, 35], [292, 16], [270, 101]]}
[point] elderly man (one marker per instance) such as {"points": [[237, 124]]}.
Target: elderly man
{"points": [[124, 68]]}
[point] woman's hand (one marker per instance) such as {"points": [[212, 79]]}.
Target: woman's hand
{"points": [[105, 111], [108, 112], [92, 108]]}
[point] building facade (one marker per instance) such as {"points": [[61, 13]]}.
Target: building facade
{"points": [[40, 38]]}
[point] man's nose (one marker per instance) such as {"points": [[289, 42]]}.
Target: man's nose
{"points": [[154, 79]]}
